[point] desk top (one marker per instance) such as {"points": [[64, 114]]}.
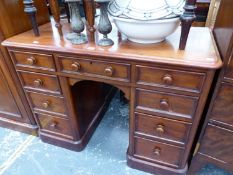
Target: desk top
{"points": [[200, 50]]}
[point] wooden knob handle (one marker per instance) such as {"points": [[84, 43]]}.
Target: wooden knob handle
{"points": [[76, 66], [167, 79], [108, 71], [157, 151], [38, 83], [164, 104], [31, 60], [160, 128], [53, 124], [46, 104]]}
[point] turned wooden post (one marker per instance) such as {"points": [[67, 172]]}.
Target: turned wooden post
{"points": [[89, 8], [67, 11], [187, 19], [56, 14], [30, 9]]}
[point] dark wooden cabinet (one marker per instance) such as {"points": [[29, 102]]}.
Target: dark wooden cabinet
{"points": [[15, 112], [8, 106], [216, 140]]}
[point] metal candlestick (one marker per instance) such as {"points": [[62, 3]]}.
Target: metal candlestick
{"points": [[104, 26], [77, 25]]}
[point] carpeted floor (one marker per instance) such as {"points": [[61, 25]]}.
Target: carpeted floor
{"points": [[22, 154]]}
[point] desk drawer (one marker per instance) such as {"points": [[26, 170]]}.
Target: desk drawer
{"points": [[158, 152], [42, 102], [175, 79], [229, 70], [218, 143], [33, 60], [112, 70], [162, 128], [41, 82], [222, 110], [53, 124], [166, 103]]}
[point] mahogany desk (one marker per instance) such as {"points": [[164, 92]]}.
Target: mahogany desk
{"points": [[68, 87]]}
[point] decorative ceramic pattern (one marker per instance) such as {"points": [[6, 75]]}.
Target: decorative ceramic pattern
{"points": [[146, 10]]}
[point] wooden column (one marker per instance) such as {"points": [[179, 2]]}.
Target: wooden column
{"points": [[89, 8], [56, 14], [67, 11], [30, 9], [186, 21]]}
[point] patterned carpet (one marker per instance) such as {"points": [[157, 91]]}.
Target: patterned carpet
{"points": [[22, 154]]}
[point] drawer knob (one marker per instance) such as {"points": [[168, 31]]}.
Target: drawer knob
{"points": [[160, 128], [157, 151], [108, 71], [76, 66], [164, 104], [38, 83], [31, 60], [46, 104], [167, 79], [53, 124]]}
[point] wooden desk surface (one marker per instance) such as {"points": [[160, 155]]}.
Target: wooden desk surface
{"points": [[200, 50]]}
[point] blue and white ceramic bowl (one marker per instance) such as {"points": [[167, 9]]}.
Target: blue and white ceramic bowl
{"points": [[148, 21]]}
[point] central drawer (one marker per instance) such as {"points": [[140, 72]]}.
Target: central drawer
{"points": [[162, 128], [49, 103], [158, 152], [165, 103], [112, 70]]}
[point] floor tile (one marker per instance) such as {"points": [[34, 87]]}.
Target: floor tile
{"points": [[213, 170], [10, 141]]}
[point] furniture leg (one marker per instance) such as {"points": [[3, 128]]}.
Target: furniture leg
{"points": [[89, 8], [30, 9], [56, 14], [67, 11], [187, 19]]}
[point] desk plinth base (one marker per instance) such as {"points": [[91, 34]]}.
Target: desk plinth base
{"points": [[152, 167], [18, 126]]}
